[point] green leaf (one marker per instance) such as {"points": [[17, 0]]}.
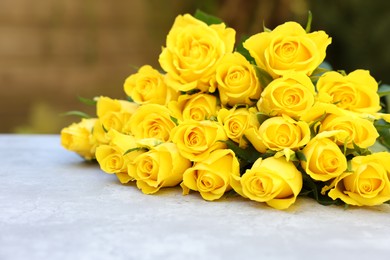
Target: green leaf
{"points": [[87, 101], [315, 125], [264, 77], [313, 189], [174, 120], [76, 113], [207, 18], [309, 20], [130, 99], [265, 29], [244, 52], [317, 73], [301, 156], [135, 149], [261, 117], [249, 154], [384, 90], [104, 129], [383, 129]]}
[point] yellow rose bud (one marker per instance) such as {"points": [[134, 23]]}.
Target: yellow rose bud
{"points": [[197, 107], [236, 121], [113, 158], [162, 166], [288, 48], [236, 80], [279, 133], [354, 130], [356, 92], [152, 121], [367, 184], [78, 138], [192, 51], [197, 139], [211, 177], [291, 95], [274, 181], [148, 86], [324, 159]]}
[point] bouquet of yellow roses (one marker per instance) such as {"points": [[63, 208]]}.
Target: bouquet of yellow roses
{"points": [[266, 119]]}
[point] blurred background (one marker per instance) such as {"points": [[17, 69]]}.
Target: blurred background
{"points": [[52, 51]]}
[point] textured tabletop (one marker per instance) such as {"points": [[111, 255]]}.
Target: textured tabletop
{"points": [[55, 206]]}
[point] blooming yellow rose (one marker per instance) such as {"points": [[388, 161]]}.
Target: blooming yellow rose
{"points": [[113, 158], [106, 105], [211, 177], [78, 138], [197, 139], [152, 121], [355, 130], [356, 92], [236, 80], [279, 133], [162, 166], [288, 48], [274, 181], [292, 95], [114, 114], [236, 121], [197, 107], [324, 158], [367, 184], [99, 133], [192, 51], [148, 86]]}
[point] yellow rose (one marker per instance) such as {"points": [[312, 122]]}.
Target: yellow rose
{"points": [[324, 159], [319, 110], [355, 130], [162, 166], [78, 138], [152, 121], [114, 113], [99, 134], [236, 80], [274, 181], [356, 92], [107, 105], [197, 107], [368, 182], [236, 121], [288, 48], [211, 177], [292, 95], [197, 139], [192, 51], [148, 86], [279, 133], [113, 158]]}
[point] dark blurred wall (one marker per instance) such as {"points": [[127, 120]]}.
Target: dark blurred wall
{"points": [[360, 31], [53, 50]]}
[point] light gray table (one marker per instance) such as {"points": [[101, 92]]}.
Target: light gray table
{"points": [[55, 206]]}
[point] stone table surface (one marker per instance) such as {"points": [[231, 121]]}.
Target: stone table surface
{"points": [[53, 205]]}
